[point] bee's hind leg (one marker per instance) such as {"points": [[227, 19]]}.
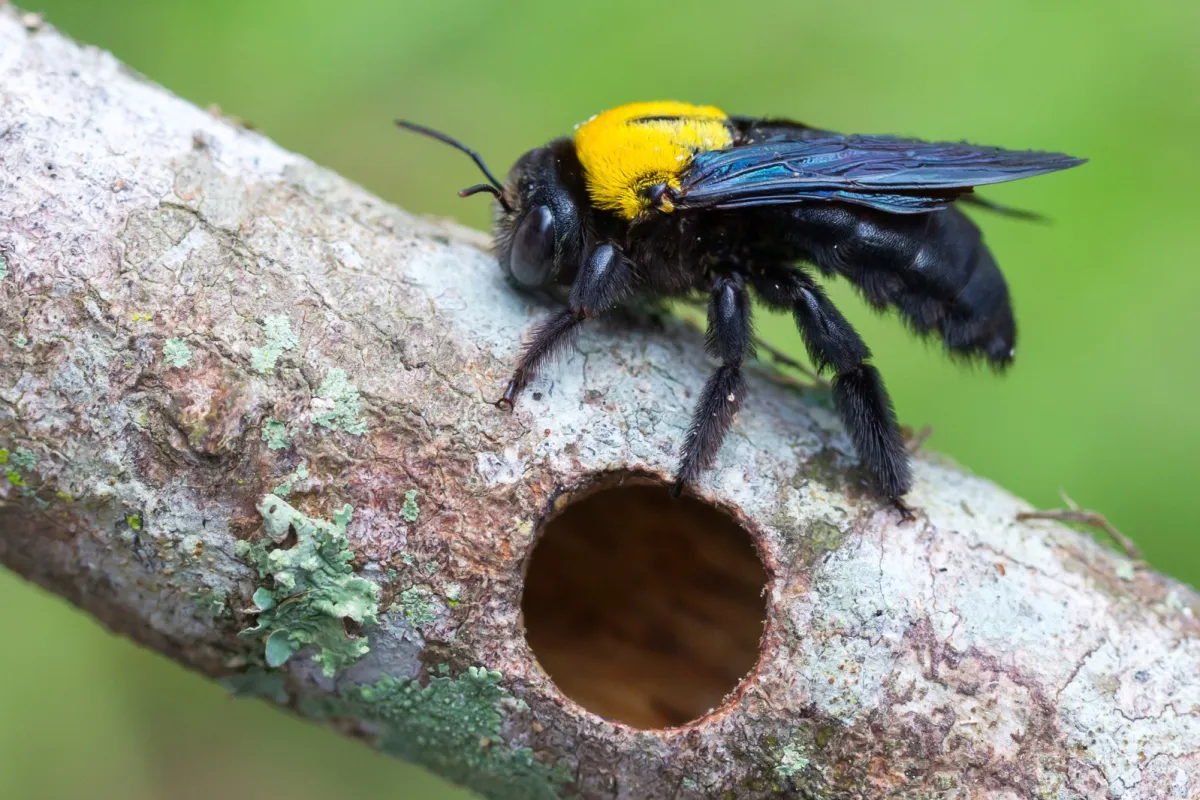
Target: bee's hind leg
{"points": [[858, 391]]}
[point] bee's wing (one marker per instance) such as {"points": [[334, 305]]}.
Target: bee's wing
{"points": [[884, 172]]}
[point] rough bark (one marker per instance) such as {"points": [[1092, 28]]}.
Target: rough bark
{"points": [[207, 341]]}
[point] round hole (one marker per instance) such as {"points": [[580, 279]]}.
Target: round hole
{"points": [[642, 608]]}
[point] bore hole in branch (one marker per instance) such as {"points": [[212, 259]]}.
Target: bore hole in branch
{"points": [[642, 608]]}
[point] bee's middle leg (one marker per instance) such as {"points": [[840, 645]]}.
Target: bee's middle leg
{"points": [[729, 339]]}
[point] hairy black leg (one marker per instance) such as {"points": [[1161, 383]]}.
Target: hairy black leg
{"points": [[548, 339], [729, 339], [604, 277], [906, 512], [761, 346], [858, 392]]}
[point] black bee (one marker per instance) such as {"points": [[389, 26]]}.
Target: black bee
{"points": [[667, 199]]}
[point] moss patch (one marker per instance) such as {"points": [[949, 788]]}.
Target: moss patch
{"points": [[313, 588], [177, 353], [340, 405], [823, 537], [451, 726], [280, 337]]}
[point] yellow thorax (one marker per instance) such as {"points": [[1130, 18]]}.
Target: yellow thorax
{"points": [[628, 149]]}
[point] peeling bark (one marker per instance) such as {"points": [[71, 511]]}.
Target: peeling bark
{"points": [[210, 347]]}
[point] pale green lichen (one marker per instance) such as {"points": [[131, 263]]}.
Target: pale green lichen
{"points": [[314, 588], [279, 336], [20, 341], [409, 511], [791, 761], [341, 405], [285, 488], [275, 434], [263, 599], [452, 727], [22, 459], [212, 601], [177, 353], [417, 606], [3, 267]]}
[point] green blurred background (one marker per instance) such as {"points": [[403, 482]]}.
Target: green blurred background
{"points": [[1102, 401]]}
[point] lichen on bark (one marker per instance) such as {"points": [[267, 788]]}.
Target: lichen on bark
{"points": [[313, 588], [453, 726]]}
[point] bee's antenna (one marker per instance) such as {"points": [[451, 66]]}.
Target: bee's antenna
{"points": [[493, 187], [484, 187]]}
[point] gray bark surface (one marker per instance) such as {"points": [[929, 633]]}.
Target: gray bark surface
{"points": [[206, 340]]}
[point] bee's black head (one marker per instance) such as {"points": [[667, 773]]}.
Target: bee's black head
{"points": [[537, 226], [539, 234]]}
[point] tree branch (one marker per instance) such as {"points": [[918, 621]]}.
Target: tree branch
{"points": [[245, 419]]}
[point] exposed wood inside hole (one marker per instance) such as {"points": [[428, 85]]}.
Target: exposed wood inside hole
{"points": [[644, 609]]}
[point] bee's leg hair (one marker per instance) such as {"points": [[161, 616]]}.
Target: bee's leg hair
{"points": [[729, 339], [603, 279], [858, 391]]}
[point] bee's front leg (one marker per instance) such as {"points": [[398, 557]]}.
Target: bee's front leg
{"points": [[603, 279]]}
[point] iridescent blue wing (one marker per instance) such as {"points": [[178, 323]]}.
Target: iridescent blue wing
{"points": [[902, 176]]}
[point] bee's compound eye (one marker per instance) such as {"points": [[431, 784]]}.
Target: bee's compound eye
{"points": [[532, 259]]}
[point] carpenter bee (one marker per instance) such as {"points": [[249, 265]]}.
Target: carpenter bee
{"points": [[669, 199]]}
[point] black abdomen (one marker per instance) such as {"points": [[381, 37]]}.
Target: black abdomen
{"points": [[933, 268]]}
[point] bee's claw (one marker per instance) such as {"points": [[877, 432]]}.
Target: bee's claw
{"points": [[507, 400], [907, 514]]}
